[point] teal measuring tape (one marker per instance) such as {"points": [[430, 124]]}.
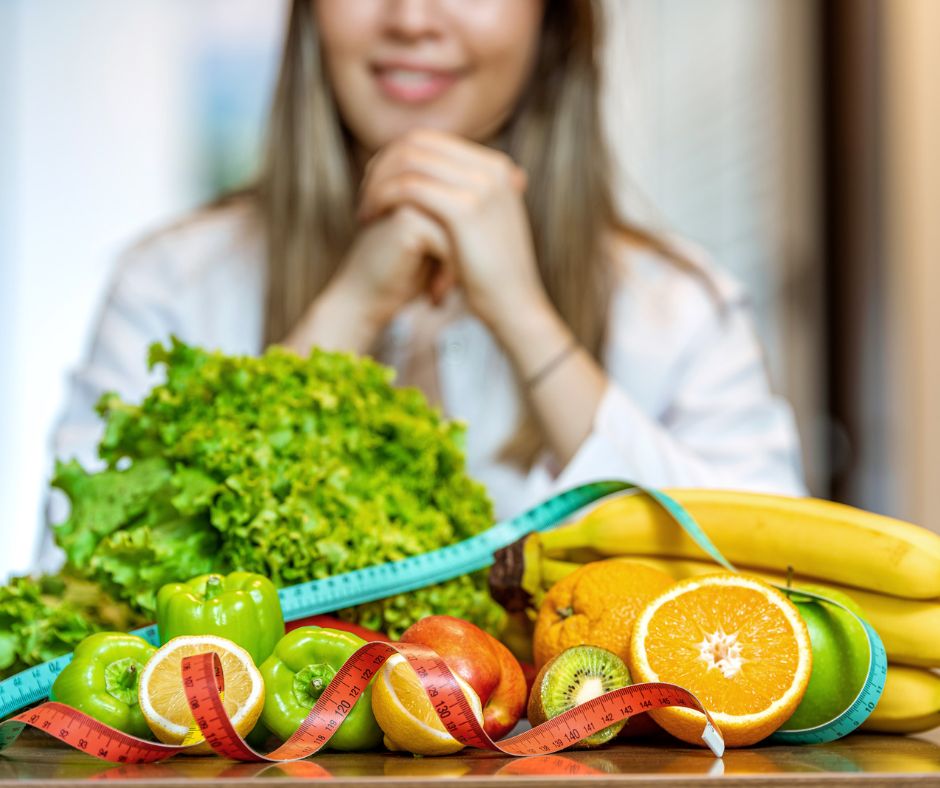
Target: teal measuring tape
{"points": [[470, 555], [864, 703]]}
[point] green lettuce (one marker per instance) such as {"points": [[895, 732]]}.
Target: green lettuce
{"points": [[43, 618], [297, 468]]}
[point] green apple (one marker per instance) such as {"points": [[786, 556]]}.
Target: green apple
{"points": [[840, 657]]}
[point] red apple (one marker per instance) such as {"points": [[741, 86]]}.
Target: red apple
{"points": [[480, 660], [508, 701], [529, 671]]}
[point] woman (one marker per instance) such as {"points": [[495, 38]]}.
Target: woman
{"points": [[436, 192]]}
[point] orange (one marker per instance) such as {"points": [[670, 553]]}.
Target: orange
{"points": [[595, 605], [737, 643]]}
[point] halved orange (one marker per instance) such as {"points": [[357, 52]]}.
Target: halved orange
{"points": [[737, 643]]}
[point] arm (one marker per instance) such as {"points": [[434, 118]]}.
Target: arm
{"points": [[564, 385], [719, 425]]}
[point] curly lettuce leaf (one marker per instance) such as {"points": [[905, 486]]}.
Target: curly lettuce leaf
{"points": [[295, 468], [134, 562], [35, 628], [104, 502]]}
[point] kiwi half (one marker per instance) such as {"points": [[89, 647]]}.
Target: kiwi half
{"points": [[575, 676]]}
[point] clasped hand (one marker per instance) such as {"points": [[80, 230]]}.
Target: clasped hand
{"points": [[439, 211]]}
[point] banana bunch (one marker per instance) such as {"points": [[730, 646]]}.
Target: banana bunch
{"points": [[819, 539], [889, 567]]}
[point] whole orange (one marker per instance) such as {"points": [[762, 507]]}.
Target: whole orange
{"points": [[595, 605]]}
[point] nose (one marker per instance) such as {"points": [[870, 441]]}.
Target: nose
{"points": [[412, 19]]}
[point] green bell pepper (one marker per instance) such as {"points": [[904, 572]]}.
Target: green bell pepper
{"points": [[241, 606], [295, 675], [101, 680]]}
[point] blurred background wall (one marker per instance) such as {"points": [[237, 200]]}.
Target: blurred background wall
{"points": [[790, 138]]}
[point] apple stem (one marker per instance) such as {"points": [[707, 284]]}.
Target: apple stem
{"points": [[789, 577]]}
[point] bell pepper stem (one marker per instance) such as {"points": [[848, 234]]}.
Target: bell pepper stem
{"points": [[128, 678], [213, 587]]}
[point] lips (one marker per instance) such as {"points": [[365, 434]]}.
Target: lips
{"points": [[413, 84]]}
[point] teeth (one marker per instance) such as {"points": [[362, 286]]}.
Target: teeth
{"points": [[407, 77]]}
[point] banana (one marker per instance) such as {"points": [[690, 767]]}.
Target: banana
{"points": [[910, 629], [910, 703], [824, 540]]}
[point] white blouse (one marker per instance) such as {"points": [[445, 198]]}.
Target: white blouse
{"points": [[688, 403]]}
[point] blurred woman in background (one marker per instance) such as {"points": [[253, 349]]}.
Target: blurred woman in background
{"points": [[436, 192]]}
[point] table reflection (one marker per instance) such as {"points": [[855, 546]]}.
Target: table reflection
{"points": [[39, 758]]}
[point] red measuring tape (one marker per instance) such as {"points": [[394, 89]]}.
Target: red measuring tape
{"points": [[203, 680]]}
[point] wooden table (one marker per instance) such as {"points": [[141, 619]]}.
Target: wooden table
{"points": [[866, 760]]}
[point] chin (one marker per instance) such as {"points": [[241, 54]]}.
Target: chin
{"points": [[396, 124], [388, 121]]}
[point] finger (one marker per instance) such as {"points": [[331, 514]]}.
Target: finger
{"points": [[411, 160], [442, 201], [406, 153], [444, 280], [422, 234], [471, 154]]}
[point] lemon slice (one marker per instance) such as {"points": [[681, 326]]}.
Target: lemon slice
{"points": [[405, 713], [163, 701]]}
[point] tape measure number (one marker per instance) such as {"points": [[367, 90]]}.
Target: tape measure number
{"points": [[203, 683]]}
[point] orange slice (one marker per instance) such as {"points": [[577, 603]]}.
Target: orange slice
{"points": [[738, 644]]}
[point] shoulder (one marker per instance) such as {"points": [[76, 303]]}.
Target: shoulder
{"points": [[225, 236], [670, 301]]}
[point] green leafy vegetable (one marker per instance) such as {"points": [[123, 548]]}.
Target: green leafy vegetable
{"points": [[43, 618], [293, 468]]}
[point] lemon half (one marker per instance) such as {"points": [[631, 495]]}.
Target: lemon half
{"points": [[163, 701], [404, 711]]}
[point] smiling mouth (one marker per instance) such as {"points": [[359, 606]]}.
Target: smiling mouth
{"points": [[413, 85]]}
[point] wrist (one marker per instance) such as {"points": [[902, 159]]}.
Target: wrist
{"points": [[532, 333], [340, 318]]}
